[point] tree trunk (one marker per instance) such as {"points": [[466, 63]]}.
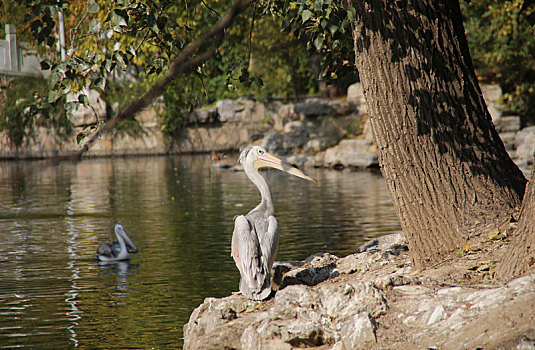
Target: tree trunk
{"points": [[447, 170], [520, 255]]}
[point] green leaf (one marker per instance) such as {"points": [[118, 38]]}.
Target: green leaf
{"points": [[92, 6], [120, 59], [67, 89], [82, 98], [109, 33], [107, 65], [100, 83], [119, 18], [53, 96], [95, 26], [351, 13], [81, 138], [333, 28], [494, 235], [45, 65], [55, 77], [259, 81], [116, 46], [131, 51], [306, 15], [319, 41], [250, 308]]}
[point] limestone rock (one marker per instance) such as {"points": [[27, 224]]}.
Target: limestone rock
{"points": [[355, 309], [240, 110], [359, 330], [525, 144], [298, 317], [279, 143], [508, 124], [320, 143], [313, 108], [352, 153], [492, 94], [301, 160], [202, 116], [355, 93], [342, 108]]}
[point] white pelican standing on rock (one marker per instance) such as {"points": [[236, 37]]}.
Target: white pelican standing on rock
{"points": [[255, 240], [117, 250]]}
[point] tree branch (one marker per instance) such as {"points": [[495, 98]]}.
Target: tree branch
{"points": [[181, 64]]}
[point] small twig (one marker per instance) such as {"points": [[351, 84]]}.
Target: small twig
{"points": [[147, 32], [75, 29], [211, 9], [142, 40], [251, 38]]}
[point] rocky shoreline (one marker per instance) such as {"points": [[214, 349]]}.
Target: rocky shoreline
{"points": [[312, 132], [374, 300]]}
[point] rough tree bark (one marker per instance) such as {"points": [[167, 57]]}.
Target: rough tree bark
{"points": [[447, 170], [520, 255]]}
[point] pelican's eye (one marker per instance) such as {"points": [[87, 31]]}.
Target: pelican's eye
{"points": [[260, 151]]}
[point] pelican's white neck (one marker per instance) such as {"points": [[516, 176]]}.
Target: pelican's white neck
{"points": [[266, 203]]}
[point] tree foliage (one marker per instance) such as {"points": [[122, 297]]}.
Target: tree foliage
{"points": [[325, 27], [502, 43], [19, 116], [266, 53]]}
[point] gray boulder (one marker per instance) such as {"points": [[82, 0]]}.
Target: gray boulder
{"points": [[525, 145], [313, 108], [492, 94], [352, 153]]}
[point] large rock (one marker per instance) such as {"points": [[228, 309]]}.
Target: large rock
{"points": [[492, 94], [355, 94], [299, 317], [352, 153], [508, 124], [376, 301], [284, 143], [240, 110], [313, 108], [525, 145], [202, 116]]}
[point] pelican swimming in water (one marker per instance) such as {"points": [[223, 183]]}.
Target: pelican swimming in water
{"points": [[255, 239], [117, 250]]}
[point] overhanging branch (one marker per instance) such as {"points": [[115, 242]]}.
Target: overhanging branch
{"points": [[183, 63]]}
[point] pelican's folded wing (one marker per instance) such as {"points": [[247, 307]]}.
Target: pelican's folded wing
{"points": [[247, 255], [104, 249]]}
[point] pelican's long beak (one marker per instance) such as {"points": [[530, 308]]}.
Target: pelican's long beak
{"points": [[269, 160], [128, 241]]}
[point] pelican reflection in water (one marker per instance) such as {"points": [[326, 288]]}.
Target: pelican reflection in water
{"points": [[255, 239], [117, 250]]}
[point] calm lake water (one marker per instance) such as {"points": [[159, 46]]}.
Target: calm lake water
{"points": [[55, 295]]}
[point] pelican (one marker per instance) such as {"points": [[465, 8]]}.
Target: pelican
{"points": [[255, 239], [117, 250]]}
